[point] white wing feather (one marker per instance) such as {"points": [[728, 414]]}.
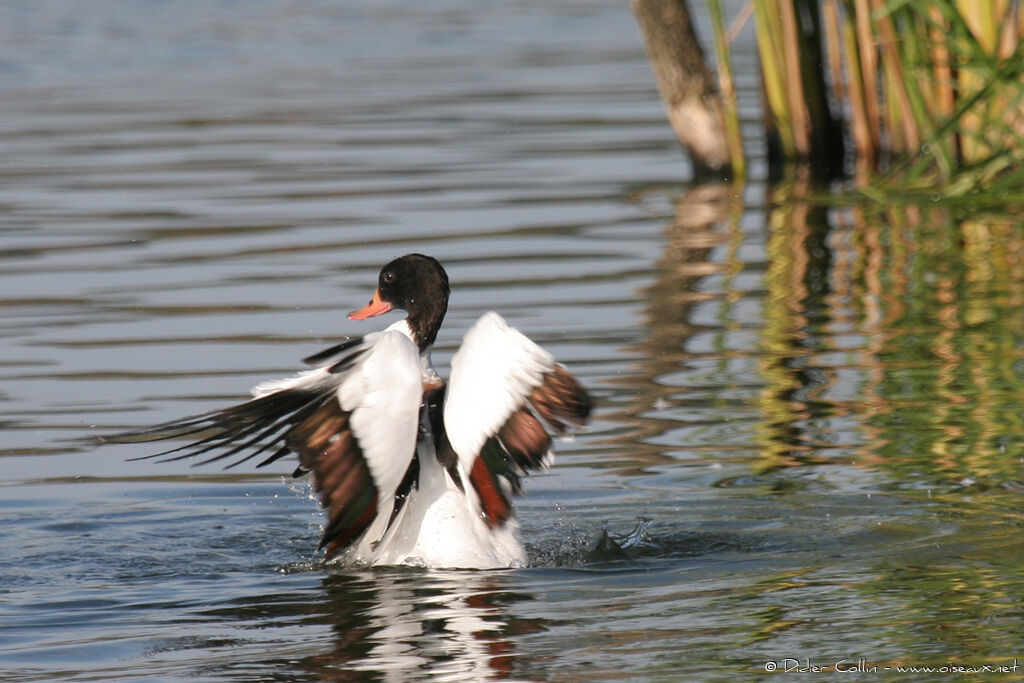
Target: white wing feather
{"points": [[383, 391], [493, 372], [307, 379]]}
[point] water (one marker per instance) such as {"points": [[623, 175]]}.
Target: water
{"points": [[807, 451]]}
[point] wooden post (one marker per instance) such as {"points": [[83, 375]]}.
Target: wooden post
{"points": [[686, 84]]}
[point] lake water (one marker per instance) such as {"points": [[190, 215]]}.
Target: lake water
{"points": [[808, 445]]}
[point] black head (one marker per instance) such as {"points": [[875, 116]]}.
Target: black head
{"points": [[416, 284]]}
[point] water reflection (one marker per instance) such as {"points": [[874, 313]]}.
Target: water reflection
{"points": [[950, 330], [867, 349], [942, 602], [889, 338], [657, 401], [405, 624]]}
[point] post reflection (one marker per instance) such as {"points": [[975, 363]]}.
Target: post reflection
{"points": [[654, 397]]}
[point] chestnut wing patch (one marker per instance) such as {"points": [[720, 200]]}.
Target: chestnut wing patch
{"points": [[328, 448], [523, 444], [506, 397], [561, 402], [558, 406]]}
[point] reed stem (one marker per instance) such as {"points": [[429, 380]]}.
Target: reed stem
{"points": [[728, 90]]}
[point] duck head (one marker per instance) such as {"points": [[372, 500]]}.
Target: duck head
{"points": [[416, 284]]}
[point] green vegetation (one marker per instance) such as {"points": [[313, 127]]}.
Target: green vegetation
{"points": [[931, 92]]}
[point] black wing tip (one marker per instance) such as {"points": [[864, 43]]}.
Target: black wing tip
{"points": [[320, 357], [256, 424], [274, 457], [81, 444], [346, 362]]}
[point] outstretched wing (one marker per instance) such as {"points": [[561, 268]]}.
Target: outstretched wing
{"points": [[505, 397], [353, 423]]}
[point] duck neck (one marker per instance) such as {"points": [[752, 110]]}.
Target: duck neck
{"points": [[424, 323]]}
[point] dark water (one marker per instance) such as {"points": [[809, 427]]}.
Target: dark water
{"points": [[816, 412]]}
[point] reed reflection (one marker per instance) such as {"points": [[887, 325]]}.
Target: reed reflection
{"points": [[796, 320], [943, 309], [892, 338], [887, 337]]}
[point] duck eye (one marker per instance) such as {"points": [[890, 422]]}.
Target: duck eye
{"points": [[389, 277]]}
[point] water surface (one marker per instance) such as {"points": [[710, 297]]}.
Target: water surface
{"points": [[808, 441]]}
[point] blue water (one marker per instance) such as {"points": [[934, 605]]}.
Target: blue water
{"points": [[807, 441]]}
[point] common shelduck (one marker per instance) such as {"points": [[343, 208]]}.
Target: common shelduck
{"points": [[411, 469]]}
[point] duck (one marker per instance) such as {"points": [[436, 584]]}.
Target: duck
{"points": [[410, 468]]}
